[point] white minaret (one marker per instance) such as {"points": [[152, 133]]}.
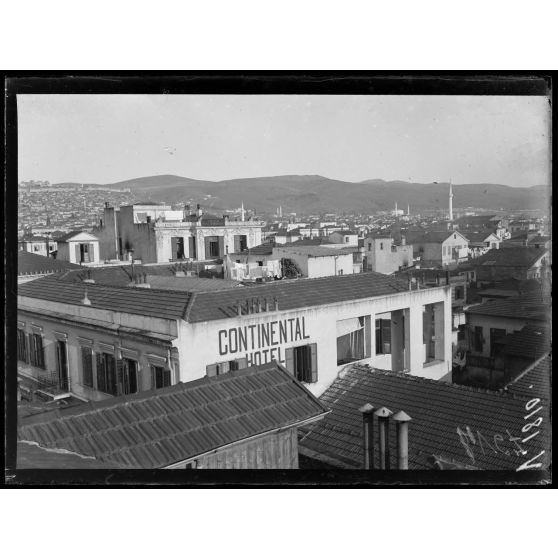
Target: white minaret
{"points": [[242, 212], [450, 203], [408, 210]]}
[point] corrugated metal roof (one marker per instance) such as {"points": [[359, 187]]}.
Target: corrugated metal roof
{"points": [[157, 429], [439, 412], [146, 302]]}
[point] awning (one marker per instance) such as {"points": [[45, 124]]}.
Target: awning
{"points": [[347, 326]]}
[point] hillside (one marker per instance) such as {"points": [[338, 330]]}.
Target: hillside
{"points": [[314, 193]]}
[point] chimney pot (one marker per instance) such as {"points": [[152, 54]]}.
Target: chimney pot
{"points": [[383, 415], [367, 411], [402, 420], [239, 308], [276, 303]]}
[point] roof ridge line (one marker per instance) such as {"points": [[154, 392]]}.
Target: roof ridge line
{"points": [[188, 307], [529, 368]]}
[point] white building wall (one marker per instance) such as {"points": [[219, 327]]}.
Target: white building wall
{"points": [[199, 342]]}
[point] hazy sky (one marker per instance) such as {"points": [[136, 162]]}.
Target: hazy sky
{"points": [[108, 138]]}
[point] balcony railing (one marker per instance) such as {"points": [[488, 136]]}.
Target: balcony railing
{"points": [[52, 383]]}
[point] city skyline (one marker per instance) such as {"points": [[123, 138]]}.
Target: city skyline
{"points": [[502, 140]]}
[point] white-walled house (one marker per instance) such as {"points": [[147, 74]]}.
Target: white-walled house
{"points": [[383, 256], [154, 233], [439, 248], [481, 242], [317, 261], [79, 247], [345, 237], [38, 245], [101, 341]]}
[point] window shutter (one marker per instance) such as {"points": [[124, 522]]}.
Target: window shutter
{"points": [[174, 244], [119, 377], [31, 350], [91, 252], [314, 361], [78, 259], [211, 370], [166, 377], [221, 246], [242, 363], [289, 361], [100, 372]]}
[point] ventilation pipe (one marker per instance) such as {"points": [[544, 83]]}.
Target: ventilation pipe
{"points": [[368, 435], [383, 415], [402, 420], [85, 300]]}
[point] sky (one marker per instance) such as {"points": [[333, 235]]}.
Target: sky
{"points": [[109, 138]]}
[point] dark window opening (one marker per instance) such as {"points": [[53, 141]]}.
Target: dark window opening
{"points": [[87, 365], [383, 336], [106, 374], [177, 248], [161, 377], [128, 376], [62, 365], [36, 350], [495, 334], [21, 345], [478, 339], [302, 362], [224, 367]]}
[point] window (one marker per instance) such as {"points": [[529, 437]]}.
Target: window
{"points": [[21, 345], [461, 332], [87, 366], [36, 248], [160, 377], [369, 246], [351, 340], [224, 367], [495, 334], [214, 249], [127, 376], [36, 350], [191, 465], [381, 245], [346, 239], [383, 336], [478, 340], [459, 292], [260, 263], [62, 364], [106, 373], [340, 272], [302, 362]]}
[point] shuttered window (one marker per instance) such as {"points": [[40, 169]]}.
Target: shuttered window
{"points": [[223, 367], [161, 377], [87, 366], [36, 350], [106, 373], [127, 376], [21, 346], [302, 362]]}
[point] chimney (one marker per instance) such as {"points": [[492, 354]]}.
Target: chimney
{"points": [[403, 241], [410, 283], [402, 420], [275, 304], [266, 304], [85, 300], [447, 277], [89, 278], [239, 308], [368, 435], [383, 415]]}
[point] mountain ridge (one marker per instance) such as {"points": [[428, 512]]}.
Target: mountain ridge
{"points": [[315, 193]]}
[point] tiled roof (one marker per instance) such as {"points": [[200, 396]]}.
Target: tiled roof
{"points": [[69, 235], [477, 237], [429, 237], [33, 456], [528, 306], [511, 256], [28, 262], [311, 241], [532, 341], [261, 249], [314, 251], [534, 382], [146, 302], [160, 428], [440, 412], [191, 284], [296, 293]]}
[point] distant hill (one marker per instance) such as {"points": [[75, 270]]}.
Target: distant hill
{"points": [[314, 194]]}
